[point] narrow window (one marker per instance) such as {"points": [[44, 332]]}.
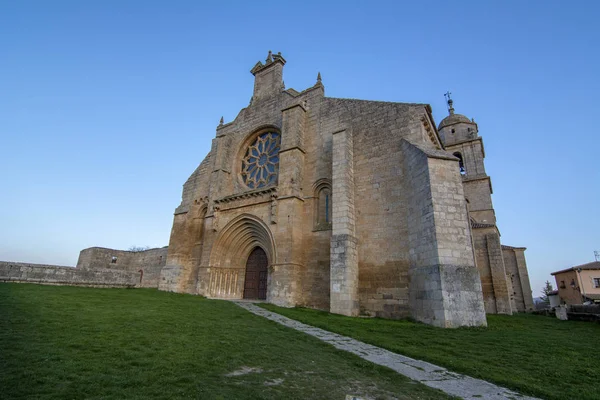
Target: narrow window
{"points": [[327, 208], [323, 206], [461, 165], [562, 284], [597, 282]]}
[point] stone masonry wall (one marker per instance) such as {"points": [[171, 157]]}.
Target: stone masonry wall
{"points": [[502, 287], [287, 214], [59, 275], [150, 262], [379, 195], [516, 270], [344, 259], [524, 278], [483, 266], [478, 192], [512, 272], [445, 289]]}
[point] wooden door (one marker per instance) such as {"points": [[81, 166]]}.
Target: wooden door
{"points": [[255, 283]]}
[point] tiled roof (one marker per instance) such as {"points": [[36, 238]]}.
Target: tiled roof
{"points": [[588, 266]]}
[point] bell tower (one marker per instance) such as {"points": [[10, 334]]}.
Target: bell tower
{"points": [[460, 136]]}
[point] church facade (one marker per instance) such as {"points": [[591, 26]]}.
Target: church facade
{"points": [[356, 207]]}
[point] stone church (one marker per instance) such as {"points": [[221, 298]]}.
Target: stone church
{"points": [[352, 206]]}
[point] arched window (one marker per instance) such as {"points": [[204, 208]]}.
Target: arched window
{"points": [[461, 165], [198, 231], [200, 223], [323, 205]]}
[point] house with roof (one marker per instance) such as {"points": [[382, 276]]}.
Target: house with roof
{"points": [[579, 284]]}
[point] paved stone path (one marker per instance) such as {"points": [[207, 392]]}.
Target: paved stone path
{"points": [[428, 374]]}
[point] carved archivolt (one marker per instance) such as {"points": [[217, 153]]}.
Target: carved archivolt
{"points": [[227, 264], [238, 238], [321, 183]]}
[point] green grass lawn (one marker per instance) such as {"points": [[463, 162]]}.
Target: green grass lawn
{"points": [[74, 343], [532, 354]]}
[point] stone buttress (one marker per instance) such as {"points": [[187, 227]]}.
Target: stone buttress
{"points": [[504, 291]]}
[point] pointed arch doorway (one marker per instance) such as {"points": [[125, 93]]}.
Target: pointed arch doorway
{"points": [[255, 282]]}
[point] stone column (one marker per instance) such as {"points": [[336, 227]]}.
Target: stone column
{"points": [[344, 257]]}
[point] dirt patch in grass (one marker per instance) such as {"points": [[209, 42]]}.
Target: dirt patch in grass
{"points": [[274, 382], [244, 371]]}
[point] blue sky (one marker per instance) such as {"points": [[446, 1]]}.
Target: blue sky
{"points": [[106, 107]]}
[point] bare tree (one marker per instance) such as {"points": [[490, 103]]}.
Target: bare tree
{"points": [[137, 249]]}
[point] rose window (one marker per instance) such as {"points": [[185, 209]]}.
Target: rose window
{"points": [[261, 161]]}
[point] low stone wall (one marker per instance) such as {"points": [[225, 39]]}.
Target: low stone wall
{"points": [[585, 309], [146, 265], [60, 275], [580, 312]]}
